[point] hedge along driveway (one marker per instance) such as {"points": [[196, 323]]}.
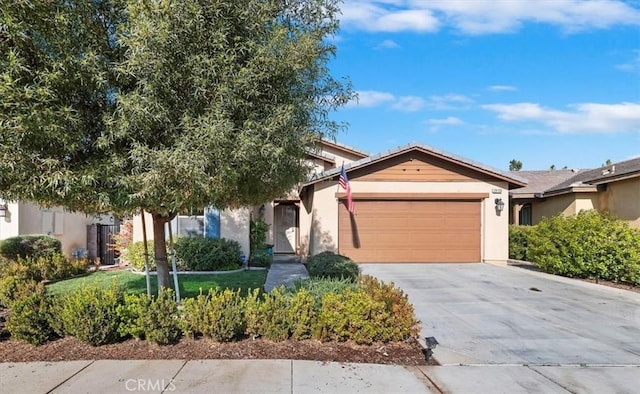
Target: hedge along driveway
{"points": [[190, 284], [482, 313]]}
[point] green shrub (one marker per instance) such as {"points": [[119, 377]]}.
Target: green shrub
{"points": [[260, 258], [318, 287], [258, 230], [57, 266], [588, 245], [519, 241], [274, 315], [301, 315], [9, 286], [352, 315], [29, 246], [89, 313], [152, 318], [208, 254], [134, 255], [218, 315], [29, 317], [332, 265], [252, 315], [402, 319]]}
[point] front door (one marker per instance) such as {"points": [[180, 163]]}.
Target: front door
{"points": [[286, 216]]}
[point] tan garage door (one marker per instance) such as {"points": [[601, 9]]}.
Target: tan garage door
{"points": [[411, 231]]}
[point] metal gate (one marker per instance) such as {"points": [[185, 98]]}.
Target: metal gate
{"points": [[106, 249]]}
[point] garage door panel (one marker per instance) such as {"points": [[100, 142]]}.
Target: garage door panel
{"points": [[411, 231]]}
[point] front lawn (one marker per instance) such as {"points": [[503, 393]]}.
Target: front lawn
{"points": [[190, 285]]}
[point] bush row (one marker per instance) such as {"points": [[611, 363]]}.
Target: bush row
{"points": [[589, 245], [35, 269], [192, 253], [370, 312], [34, 246]]}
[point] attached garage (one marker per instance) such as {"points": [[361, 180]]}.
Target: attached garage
{"points": [[414, 204], [411, 231]]}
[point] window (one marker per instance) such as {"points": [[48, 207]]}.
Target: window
{"points": [[524, 217], [191, 225], [198, 223]]}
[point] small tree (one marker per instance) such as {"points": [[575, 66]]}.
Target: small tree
{"points": [[122, 105], [515, 165]]}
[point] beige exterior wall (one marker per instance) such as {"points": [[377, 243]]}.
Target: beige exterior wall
{"points": [[234, 225], [319, 219], [622, 199], [339, 155], [565, 204], [70, 228], [321, 224]]}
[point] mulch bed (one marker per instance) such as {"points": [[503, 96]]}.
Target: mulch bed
{"points": [[198, 349]]}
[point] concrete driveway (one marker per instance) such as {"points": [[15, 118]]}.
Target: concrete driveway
{"points": [[486, 314]]}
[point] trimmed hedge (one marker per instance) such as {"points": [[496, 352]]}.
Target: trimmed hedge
{"points": [[34, 246], [589, 245], [332, 265], [134, 255], [208, 254], [36, 269], [367, 312], [519, 241]]}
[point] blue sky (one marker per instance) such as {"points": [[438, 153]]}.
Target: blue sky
{"points": [[545, 81]]}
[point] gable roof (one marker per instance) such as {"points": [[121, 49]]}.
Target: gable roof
{"points": [[555, 182], [323, 156], [541, 181], [514, 180], [345, 148]]}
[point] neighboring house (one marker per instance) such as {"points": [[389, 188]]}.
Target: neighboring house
{"points": [[412, 204], [78, 233], [614, 189]]}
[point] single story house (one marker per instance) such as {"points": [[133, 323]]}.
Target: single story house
{"points": [[614, 188], [412, 204], [78, 233]]}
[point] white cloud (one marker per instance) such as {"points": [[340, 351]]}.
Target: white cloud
{"points": [[374, 98], [485, 16], [449, 121], [387, 44], [371, 98], [502, 88], [633, 65], [449, 101], [377, 16], [409, 104], [581, 118]]}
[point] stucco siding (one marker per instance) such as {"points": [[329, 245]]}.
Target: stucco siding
{"points": [[340, 156], [26, 218], [564, 204], [234, 225], [320, 217], [622, 199], [10, 225]]}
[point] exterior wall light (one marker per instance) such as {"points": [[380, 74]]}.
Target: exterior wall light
{"points": [[499, 205], [4, 209]]}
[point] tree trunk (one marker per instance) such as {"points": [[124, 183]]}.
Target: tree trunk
{"points": [[160, 250]]}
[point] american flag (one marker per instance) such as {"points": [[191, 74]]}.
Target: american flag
{"points": [[344, 183]]}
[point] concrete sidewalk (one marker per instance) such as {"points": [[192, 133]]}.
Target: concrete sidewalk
{"points": [[284, 271], [297, 376]]}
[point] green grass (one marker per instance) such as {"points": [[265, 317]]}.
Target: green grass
{"points": [[190, 285]]}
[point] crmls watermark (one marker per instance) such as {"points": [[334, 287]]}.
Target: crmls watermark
{"points": [[149, 385]]}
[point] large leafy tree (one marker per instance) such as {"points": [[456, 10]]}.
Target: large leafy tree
{"points": [[162, 105]]}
